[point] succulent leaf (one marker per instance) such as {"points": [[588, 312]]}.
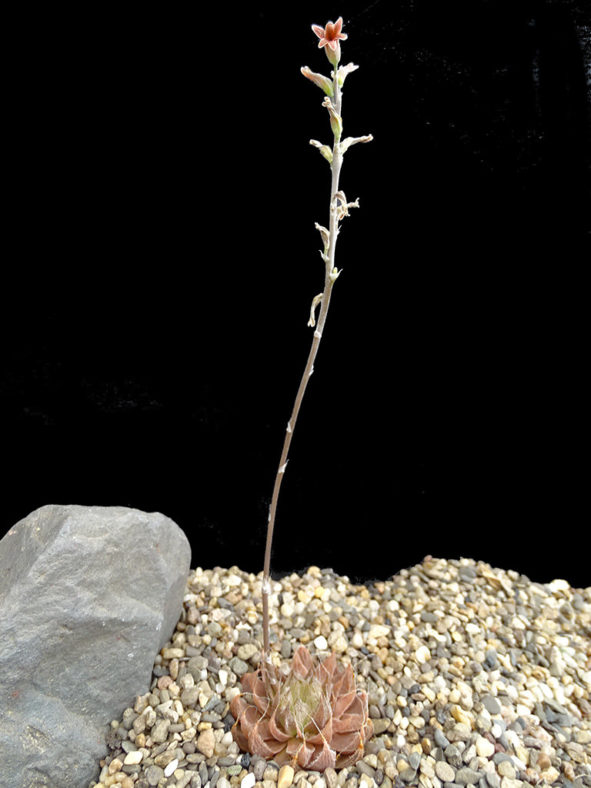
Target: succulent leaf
{"points": [[313, 717]]}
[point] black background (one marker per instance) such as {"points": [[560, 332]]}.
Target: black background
{"points": [[162, 258]]}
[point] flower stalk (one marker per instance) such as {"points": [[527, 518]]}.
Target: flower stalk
{"points": [[330, 38]]}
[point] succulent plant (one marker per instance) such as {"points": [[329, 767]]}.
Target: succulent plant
{"points": [[312, 717]]}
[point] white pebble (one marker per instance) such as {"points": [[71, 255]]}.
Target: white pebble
{"points": [[320, 643], [378, 631], [171, 768], [484, 747], [133, 757], [558, 585], [248, 781], [357, 640], [422, 655]]}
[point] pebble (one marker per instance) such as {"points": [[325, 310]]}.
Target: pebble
{"points": [[285, 776], [247, 651], [491, 704], [466, 776], [506, 769], [440, 739], [475, 676], [248, 781], [206, 742], [154, 774], [172, 766], [484, 747], [133, 758], [444, 771]]}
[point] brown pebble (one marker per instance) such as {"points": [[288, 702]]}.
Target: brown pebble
{"points": [[568, 770], [115, 765]]}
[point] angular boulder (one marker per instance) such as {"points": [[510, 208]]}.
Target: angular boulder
{"points": [[88, 596]]}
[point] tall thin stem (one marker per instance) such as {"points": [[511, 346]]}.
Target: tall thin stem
{"points": [[329, 280]]}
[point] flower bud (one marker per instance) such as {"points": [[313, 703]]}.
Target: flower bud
{"points": [[348, 141], [318, 79], [343, 71], [336, 122], [324, 150]]}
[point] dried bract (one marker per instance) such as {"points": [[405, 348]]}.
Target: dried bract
{"points": [[313, 717]]}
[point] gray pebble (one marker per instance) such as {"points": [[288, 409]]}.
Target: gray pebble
{"points": [[427, 617], [210, 716], [452, 755], [467, 776], [160, 731], [365, 768], [499, 757], [285, 649], [491, 704], [154, 774], [239, 666], [440, 739], [490, 660], [189, 696], [258, 767]]}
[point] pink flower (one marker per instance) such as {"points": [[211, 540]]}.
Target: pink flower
{"points": [[330, 34]]}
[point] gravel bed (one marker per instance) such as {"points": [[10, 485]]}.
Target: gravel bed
{"points": [[476, 677]]}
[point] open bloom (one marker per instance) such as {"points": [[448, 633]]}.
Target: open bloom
{"points": [[330, 35], [312, 718]]}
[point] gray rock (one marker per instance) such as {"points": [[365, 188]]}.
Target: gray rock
{"points": [[88, 596]]}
